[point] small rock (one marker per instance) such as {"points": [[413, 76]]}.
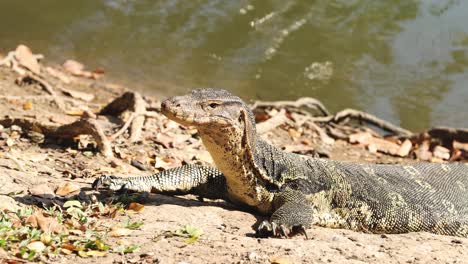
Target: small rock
{"points": [[43, 191], [67, 189]]}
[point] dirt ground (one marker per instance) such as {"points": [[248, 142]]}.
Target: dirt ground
{"points": [[228, 233]]}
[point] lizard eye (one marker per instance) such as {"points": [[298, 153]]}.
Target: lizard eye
{"points": [[213, 105]]}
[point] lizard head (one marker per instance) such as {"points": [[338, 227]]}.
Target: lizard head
{"points": [[209, 108], [225, 123]]}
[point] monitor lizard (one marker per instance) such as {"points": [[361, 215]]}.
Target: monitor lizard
{"points": [[297, 191]]}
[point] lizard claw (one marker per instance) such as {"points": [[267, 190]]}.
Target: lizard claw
{"points": [[273, 229], [109, 182]]}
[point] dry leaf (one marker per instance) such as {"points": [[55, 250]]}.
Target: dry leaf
{"points": [[441, 153], [460, 145], [294, 133], [118, 232], [75, 112], [95, 253], [67, 189], [66, 251], [163, 163], [27, 105], [69, 247], [423, 152], [49, 224], [279, 260], [374, 144], [136, 207], [37, 246], [405, 148], [31, 220], [10, 142], [27, 59], [42, 190], [165, 140]]}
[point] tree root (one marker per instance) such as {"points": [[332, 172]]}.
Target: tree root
{"points": [[82, 126], [277, 120], [132, 101], [458, 134], [86, 126], [307, 102], [31, 78], [363, 116]]}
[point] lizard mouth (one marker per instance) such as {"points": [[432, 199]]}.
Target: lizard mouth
{"points": [[177, 112]]}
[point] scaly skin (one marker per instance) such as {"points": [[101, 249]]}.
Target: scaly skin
{"points": [[298, 191]]}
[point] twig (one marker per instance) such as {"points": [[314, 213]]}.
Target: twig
{"points": [[307, 102]]}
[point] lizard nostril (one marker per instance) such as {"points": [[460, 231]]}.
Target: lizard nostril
{"points": [[177, 105]]}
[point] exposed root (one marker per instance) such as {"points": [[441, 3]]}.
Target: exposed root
{"points": [[450, 134], [31, 78], [306, 102], [139, 109], [86, 126], [363, 116], [123, 128], [134, 102], [277, 120], [69, 131]]}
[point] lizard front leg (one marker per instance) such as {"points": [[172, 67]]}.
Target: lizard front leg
{"points": [[205, 181], [293, 214]]}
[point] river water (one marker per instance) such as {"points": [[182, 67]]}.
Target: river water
{"points": [[405, 61]]}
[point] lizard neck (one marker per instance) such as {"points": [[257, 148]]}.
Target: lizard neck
{"points": [[236, 161]]}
